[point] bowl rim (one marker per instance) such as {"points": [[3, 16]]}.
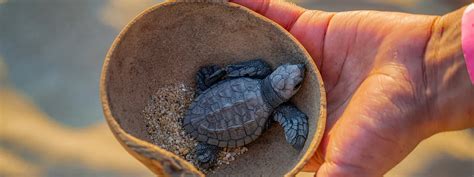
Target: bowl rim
{"points": [[140, 149]]}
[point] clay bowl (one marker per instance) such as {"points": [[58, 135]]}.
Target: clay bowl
{"points": [[167, 43]]}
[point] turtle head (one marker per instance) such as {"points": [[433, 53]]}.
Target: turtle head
{"points": [[286, 80]]}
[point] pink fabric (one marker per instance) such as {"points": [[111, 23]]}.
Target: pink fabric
{"points": [[468, 39]]}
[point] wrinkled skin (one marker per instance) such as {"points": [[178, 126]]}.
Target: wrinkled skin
{"points": [[391, 79]]}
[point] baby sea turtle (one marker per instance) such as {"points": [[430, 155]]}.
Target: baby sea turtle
{"points": [[234, 104]]}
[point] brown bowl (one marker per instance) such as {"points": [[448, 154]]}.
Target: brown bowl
{"points": [[167, 43]]}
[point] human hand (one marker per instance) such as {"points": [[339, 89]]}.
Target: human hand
{"points": [[391, 79]]}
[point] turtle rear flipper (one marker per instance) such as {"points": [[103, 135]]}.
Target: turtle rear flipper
{"points": [[212, 74], [294, 123], [208, 76], [206, 154], [255, 69]]}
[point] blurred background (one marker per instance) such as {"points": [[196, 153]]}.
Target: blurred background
{"points": [[51, 123]]}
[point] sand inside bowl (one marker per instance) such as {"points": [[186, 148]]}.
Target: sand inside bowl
{"points": [[163, 115]]}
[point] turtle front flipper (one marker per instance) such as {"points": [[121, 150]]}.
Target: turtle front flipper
{"points": [[256, 69], [294, 123], [208, 76], [206, 154]]}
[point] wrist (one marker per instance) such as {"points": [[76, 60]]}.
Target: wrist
{"points": [[449, 91]]}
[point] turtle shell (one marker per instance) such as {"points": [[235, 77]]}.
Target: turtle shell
{"points": [[231, 113]]}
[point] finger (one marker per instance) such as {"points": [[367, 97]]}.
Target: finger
{"points": [[284, 13], [334, 170], [308, 26], [329, 170], [310, 30], [314, 162], [323, 170]]}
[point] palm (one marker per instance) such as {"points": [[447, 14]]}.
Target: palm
{"points": [[372, 84]]}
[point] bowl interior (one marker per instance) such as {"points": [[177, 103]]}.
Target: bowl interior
{"points": [[167, 45]]}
